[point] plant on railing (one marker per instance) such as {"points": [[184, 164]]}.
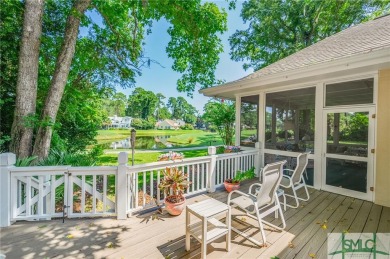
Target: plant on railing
{"points": [[228, 149], [234, 183], [232, 149], [173, 184], [171, 156]]}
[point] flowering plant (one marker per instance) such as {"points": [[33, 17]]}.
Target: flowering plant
{"points": [[170, 156], [231, 149]]}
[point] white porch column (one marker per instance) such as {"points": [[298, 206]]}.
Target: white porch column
{"points": [[121, 186], [211, 174], [261, 129], [318, 137], [7, 161], [238, 122], [258, 163]]}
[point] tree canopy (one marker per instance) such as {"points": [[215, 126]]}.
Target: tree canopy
{"points": [[221, 114], [181, 109], [110, 54], [278, 28]]}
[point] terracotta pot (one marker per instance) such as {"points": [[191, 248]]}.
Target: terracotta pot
{"points": [[231, 186], [175, 209]]}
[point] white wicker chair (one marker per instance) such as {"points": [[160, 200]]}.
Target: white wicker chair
{"points": [[295, 179], [263, 201]]}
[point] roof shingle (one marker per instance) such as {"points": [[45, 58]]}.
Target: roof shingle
{"points": [[359, 39]]}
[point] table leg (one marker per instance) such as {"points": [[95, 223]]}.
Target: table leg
{"points": [[204, 238], [229, 233], [188, 240]]}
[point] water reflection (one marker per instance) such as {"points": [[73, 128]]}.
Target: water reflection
{"points": [[142, 142]]}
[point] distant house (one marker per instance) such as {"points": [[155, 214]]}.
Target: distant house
{"points": [[180, 123], [167, 124], [120, 122]]}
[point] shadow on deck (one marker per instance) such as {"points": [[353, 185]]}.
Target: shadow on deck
{"points": [[155, 235]]}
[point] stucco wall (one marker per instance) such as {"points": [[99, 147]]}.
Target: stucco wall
{"points": [[382, 182]]}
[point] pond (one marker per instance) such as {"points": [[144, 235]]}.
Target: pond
{"points": [[141, 142]]}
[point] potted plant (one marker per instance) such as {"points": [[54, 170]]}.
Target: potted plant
{"points": [[232, 184], [173, 185]]}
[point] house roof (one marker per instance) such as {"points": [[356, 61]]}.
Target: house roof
{"points": [[362, 38], [170, 122], [359, 39]]}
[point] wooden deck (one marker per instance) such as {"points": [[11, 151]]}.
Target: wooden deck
{"points": [[162, 236]]}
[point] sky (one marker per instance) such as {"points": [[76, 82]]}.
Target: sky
{"points": [[160, 78]]}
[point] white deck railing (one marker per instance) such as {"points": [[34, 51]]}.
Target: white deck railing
{"points": [[44, 192]]}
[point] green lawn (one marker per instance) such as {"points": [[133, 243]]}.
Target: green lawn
{"points": [[196, 139], [146, 157], [122, 133], [180, 138], [247, 133]]}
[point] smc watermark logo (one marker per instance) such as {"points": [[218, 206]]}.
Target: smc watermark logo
{"points": [[359, 245]]}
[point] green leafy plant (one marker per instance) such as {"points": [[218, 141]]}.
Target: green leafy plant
{"points": [[175, 182], [220, 149], [241, 176]]}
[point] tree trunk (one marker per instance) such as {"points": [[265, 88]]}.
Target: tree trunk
{"points": [[26, 88], [58, 82]]}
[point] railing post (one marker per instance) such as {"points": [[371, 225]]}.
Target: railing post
{"points": [[257, 164], [211, 174], [7, 161], [121, 186]]}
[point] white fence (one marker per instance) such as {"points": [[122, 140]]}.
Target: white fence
{"points": [[33, 193]]}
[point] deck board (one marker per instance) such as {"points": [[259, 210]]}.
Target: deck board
{"points": [[142, 236]]}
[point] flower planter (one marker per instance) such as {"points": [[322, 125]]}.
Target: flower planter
{"points": [[175, 209], [231, 186], [167, 159]]}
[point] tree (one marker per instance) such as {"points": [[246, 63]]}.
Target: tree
{"points": [[116, 105], [181, 109], [163, 113], [222, 115], [160, 105], [60, 77], [279, 28], [27, 82], [11, 23], [109, 55], [141, 103]]}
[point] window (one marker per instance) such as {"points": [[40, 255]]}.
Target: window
{"points": [[289, 120], [351, 92], [249, 120]]}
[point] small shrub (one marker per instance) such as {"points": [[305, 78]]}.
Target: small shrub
{"points": [[220, 149], [241, 176], [187, 126]]}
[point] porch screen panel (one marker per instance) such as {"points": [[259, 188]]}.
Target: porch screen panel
{"points": [[350, 93], [249, 119], [289, 120]]}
